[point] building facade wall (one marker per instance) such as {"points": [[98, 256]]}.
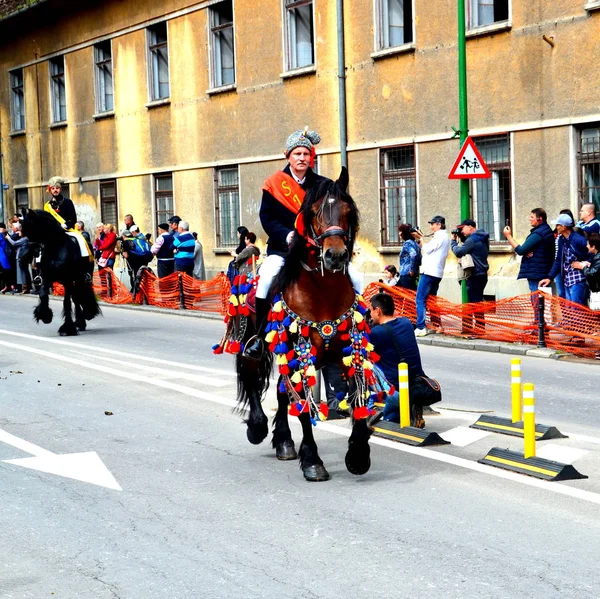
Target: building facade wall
{"points": [[519, 84]]}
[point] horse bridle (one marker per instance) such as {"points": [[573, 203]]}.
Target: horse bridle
{"points": [[316, 241]]}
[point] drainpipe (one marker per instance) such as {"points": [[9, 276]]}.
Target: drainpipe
{"points": [[342, 84]]}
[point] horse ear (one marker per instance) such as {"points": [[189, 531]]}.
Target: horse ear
{"points": [[343, 179]]}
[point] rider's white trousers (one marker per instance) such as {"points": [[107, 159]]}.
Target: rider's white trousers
{"points": [[272, 265]]}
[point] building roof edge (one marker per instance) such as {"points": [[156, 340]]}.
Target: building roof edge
{"points": [[11, 8]]}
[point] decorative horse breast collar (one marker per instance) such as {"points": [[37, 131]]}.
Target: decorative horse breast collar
{"points": [[327, 329]]}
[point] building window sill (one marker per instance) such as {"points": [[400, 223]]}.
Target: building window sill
{"points": [[156, 103], [223, 251], [221, 90], [389, 249], [17, 133], [592, 5], [309, 70], [58, 125], [489, 29], [109, 114], [385, 52], [500, 248]]}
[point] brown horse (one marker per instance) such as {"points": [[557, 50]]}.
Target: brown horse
{"points": [[316, 319]]}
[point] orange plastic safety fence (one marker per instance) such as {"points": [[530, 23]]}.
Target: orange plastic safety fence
{"points": [[177, 291], [570, 327]]}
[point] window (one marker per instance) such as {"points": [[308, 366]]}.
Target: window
{"points": [[108, 202], [227, 205], [58, 95], [221, 34], [21, 200], [17, 100], [158, 58], [398, 192], [299, 34], [588, 159], [486, 12], [394, 23], [492, 197], [163, 198], [104, 78]]}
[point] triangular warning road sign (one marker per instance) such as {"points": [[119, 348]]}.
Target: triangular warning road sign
{"points": [[469, 164]]}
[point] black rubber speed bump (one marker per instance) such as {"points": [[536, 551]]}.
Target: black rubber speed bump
{"points": [[536, 467], [506, 426], [409, 434]]}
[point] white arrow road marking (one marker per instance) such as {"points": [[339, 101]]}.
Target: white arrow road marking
{"points": [[86, 467]]}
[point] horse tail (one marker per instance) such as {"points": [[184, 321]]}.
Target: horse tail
{"points": [[253, 378]]}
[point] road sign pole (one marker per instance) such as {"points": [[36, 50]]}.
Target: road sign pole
{"points": [[465, 207]]}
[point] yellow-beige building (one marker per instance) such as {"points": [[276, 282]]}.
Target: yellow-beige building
{"points": [[175, 107]]}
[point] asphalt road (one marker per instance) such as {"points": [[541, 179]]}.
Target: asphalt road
{"points": [[179, 505]]}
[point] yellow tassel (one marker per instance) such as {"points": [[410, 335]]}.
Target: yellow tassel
{"points": [[358, 317], [369, 347], [343, 405], [242, 299], [322, 416], [281, 360], [310, 371], [233, 300], [270, 336], [293, 328], [367, 365], [296, 377], [348, 360], [277, 307]]}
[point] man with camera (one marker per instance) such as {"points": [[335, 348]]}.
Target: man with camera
{"points": [[475, 243]]}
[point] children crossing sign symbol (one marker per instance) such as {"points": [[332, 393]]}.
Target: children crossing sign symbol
{"points": [[469, 164]]}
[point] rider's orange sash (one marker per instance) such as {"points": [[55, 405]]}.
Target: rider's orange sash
{"points": [[285, 190]]}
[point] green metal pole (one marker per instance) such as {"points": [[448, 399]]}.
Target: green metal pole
{"points": [[465, 203]]}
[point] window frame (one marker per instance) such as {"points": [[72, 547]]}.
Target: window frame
{"points": [[99, 65], [287, 7], [591, 159], [58, 81], [17, 92], [213, 31], [17, 205], [502, 24], [385, 175], [159, 194], [379, 28], [150, 51], [104, 200], [495, 167], [218, 209]]}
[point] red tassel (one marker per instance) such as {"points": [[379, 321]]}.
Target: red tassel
{"points": [[283, 369], [324, 409], [374, 357], [298, 386], [290, 355], [294, 409], [304, 331], [351, 371], [218, 350], [313, 350], [243, 280], [272, 346], [312, 381], [304, 405], [283, 336], [392, 390], [361, 326], [360, 413], [345, 337]]}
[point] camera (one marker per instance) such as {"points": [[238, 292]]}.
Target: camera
{"points": [[455, 231], [414, 230]]}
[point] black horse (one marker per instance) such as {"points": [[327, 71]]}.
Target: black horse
{"points": [[61, 262], [317, 319]]}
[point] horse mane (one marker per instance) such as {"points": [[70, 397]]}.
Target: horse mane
{"points": [[298, 251]]}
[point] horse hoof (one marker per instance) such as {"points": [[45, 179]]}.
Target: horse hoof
{"points": [[286, 451], [359, 467], [68, 331], [258, 432], [316, 473]]}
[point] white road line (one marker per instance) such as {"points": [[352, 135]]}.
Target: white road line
{"points": [[461, 436], [332, 428], [115, 352]]}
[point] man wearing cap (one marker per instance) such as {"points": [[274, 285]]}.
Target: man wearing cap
{"points": [[477, 244], [283, 193], [571, 248], [59, 205], [163, 250], [434, 254], [537, 250], [588, 223]]}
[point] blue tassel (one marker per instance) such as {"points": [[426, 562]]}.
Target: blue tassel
{"points": [[269, 327], [313, 359], [282, 387], [361, 309], [313, 421], [287, 321], [340, 395], [299, 406], [293, 364], [347, 350], [277, 298], [281, 348], [234, 290], [215, 346]]}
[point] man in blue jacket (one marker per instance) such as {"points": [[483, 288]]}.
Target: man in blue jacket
{"points": [[184, 245], [477, 244], [572, 247], [537, 250]]}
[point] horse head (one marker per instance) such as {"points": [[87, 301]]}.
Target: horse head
{"points": [[331, 221]]}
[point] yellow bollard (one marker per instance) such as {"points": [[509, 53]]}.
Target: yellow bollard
{"points": [[515, 389], [529, 420], [403, 392]]}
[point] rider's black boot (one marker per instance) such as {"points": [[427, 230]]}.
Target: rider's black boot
{"points": [[255, 346]]}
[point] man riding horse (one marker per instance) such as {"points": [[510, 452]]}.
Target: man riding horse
{"points": [[282, 197]]}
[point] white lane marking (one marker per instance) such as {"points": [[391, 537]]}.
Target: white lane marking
{"points": [[461, 436], [86, 467], [560, 453], [166, 373], [417, 451], [114, 352]]}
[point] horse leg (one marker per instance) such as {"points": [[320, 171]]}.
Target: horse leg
{"points": [[79, 317], [358, 456], [310, 462], [253, 378], [282, 435], [68, 328], [43, 311]]}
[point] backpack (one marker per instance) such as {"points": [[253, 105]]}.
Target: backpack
{"points": [[141, 247]]}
